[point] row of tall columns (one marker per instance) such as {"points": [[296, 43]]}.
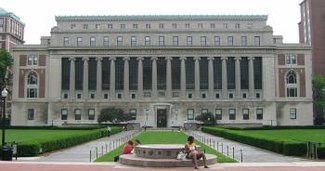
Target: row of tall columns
{"points": [[168, 77]]}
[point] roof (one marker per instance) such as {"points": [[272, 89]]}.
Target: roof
{"points": [[4, 13], [162, 17]]}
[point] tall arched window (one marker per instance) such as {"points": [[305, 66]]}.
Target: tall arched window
{"points": [[32, 85], [291, 81]]}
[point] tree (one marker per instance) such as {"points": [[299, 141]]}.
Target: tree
{"points": [[206, 118], [319, 98], [113, 115], [6, 61]]}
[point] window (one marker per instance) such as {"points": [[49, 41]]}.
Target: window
{"points": [[30, 114], [189, 41], [187, 25], [91, 114], [133, 41], [66, 41], [225, 25], [161, 41], [109, 26], [218, 114], [231, 95], [190, 114], [85, 26], [72, 26], [32, 60], [106, 41], [244, 95], [32, 85], [78, 96], [245, 114], [291, 59], [212, 25], [79, 41], [135, 26], [97, 26], [259, 114], [291, 81], [175, 40], [293, 113], [147, 41], [190, 95], [161, 26], [217, 40], [65, 96], [237, 26], [232, 114], [77, 114], [133, 113], [92, 41], [119, 96], [133, 96], [200, 25], [119, 40], [92, 95], [257, 40], [106, 96], [230, 40], [174, 25], [244, 40], [204, 111], [122, 26], [217, 95], [203, 40], [148, 26], [204, 96], [64, 114]]}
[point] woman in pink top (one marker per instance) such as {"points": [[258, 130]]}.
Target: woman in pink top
{"points": [[128, 147]]}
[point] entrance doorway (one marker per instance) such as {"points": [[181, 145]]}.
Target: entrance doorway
{"points": [[161, 118]]}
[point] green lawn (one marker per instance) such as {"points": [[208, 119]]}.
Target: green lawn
{"points": [[155, 137], [24, 135], [313, 135]]}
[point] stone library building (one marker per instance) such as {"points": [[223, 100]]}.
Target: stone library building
{"points": [[164, 70]]}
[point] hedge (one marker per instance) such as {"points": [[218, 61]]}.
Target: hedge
{"points": [[34, 148], [286, 147]]}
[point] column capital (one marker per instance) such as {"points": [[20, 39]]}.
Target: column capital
{"points": [[99, 59], [238, 58], [197, 58], [154, 58], [72, 59], [112, 58], [126, 58], [183, 58], [251, 58], [224, 58], [211, 58], [168, 58], [140, 58], [85, 59]]}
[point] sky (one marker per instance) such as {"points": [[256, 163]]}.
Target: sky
{"points": [[39, 15]]}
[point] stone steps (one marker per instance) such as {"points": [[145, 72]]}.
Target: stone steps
{"points": [[131, 159]]}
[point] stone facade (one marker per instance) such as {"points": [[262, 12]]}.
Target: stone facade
{"points": [[165, 70]]}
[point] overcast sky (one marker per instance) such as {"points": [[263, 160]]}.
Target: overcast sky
{"points": [[39, 15]]}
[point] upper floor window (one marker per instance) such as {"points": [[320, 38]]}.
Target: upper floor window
{"points": [[109, 26], [212, 25], [161, 26], [122, 26], [244, 40], [133, 41], [200, 25], [32, 60], [291, 59], [187, 25], [106, 41], [32, 85], [148, 26], [85, 26], [32, 79], [257, 40], [225, 25], [203, 40], [189, 41], [97, 26], [72, 26], [237, 25], [1, 21], [92, 41], [135, 26], [161, 41], [174, 25], [217, 40], [147, 41], [230, 40], [66, 41], [79, 41], [291, 81], [119, 40], [175, 40]]}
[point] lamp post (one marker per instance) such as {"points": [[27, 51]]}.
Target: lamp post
{"points": [[4, 94]]}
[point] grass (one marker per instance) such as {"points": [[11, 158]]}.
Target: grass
{"points": [[303, 135], [155, 137]]}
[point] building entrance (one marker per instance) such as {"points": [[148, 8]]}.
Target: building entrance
{"points": [[161, 118]]}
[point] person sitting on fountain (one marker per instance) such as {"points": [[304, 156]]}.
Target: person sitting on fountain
{"points": [[127, 149], [193, 153]]}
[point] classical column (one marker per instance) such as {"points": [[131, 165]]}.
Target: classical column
{"points": [[85, 78], [211, 79], [72, 88], [112, 78], [224, 78], [183, 77], [251, 77], [140, 77], [237, 77], [154, 77], [99, 78], [197, 77], [169, 77], [126, 78]]}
